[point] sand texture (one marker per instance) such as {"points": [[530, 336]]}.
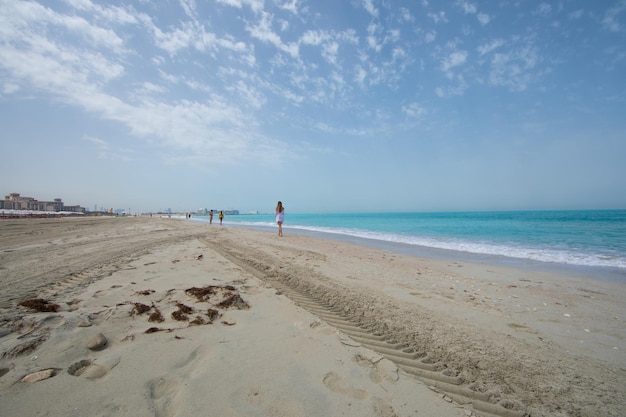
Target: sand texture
{"points": [[163, 317]]}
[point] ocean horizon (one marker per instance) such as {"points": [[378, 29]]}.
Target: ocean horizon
{"points": [[585, 238]]}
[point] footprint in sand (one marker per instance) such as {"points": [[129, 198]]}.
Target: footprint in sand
{"points": [[89, 369], [378, 368], [99, 293], [192, 365], [521, 327], [34, 334], [337, 384], [44, 326], [383, 409], [165, 391]]}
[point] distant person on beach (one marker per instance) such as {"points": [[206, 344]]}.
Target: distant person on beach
{"points": [[221, 216], [211, 217], [280, 217]]}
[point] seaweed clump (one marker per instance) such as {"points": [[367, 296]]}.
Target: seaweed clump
{"points": [[212, 314], [198, 321], [233, 300], [140, 308], [39, 304], [156, 316], [203, 294], [181, 313]]}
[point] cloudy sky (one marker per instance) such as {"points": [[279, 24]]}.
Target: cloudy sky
{"points": [[327, 105]]}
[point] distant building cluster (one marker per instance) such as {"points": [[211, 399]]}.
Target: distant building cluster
{"points": [[15, 201], [228, 212]]}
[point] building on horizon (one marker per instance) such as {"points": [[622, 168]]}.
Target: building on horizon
{"points": [[15, 201]]}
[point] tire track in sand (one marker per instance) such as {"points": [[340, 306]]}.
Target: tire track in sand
{"points": [[74, 251], [305, 295]]}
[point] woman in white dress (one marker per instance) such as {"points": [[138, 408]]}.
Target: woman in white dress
{"points": [[280, 217]]}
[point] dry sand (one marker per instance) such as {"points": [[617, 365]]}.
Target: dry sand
{"points": [[293, 326]]}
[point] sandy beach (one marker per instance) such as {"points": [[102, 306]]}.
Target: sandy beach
{"points": [[148, 316]]}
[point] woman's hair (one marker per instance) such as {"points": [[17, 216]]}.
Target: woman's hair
{"points": [[279, 206]]}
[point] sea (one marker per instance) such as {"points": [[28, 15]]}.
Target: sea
{"points": [[591, 242]]}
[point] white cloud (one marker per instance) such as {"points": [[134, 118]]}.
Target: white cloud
{"points": [[399, 53], [263, 32], [514, 69], [112, 14], [406, 14], [206, 40], [189, 6], [314, 37], [192, 34], [324, 127], [414, 110], [543, 10], [452, 90], [438, 17], [151, 88], [291, 96], [468, 8], [393, 36], [350, 36], [215, 129], [252, 96], [369, 7], [99, 142], [174, 40], [491, 46], [291, 6], [360, 75], [198, 86], [255, 5], [455, 59], [234, 3], [610, 21], [575, 15], [10, 88], [330, 47], [330, 51], [372, 42], [483, 18], [15, 16]]}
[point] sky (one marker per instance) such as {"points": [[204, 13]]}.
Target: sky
{"points": [[326, 105]]}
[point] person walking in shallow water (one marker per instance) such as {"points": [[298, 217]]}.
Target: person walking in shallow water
{"points": [[211, 217], [221, 216], [280, 217]]}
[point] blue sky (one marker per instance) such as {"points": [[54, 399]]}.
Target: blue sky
{"points": [[327, 105]]}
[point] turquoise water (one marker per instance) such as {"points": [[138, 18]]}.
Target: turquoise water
{"points": [[587, 238]]}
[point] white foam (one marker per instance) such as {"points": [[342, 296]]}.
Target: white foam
{"points": [[483, 248]]}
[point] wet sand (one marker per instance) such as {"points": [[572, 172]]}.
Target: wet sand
{"points": [[165, 317]]}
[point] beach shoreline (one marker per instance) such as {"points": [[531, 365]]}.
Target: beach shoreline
{"points": [[613, 274], [339, 328]]}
